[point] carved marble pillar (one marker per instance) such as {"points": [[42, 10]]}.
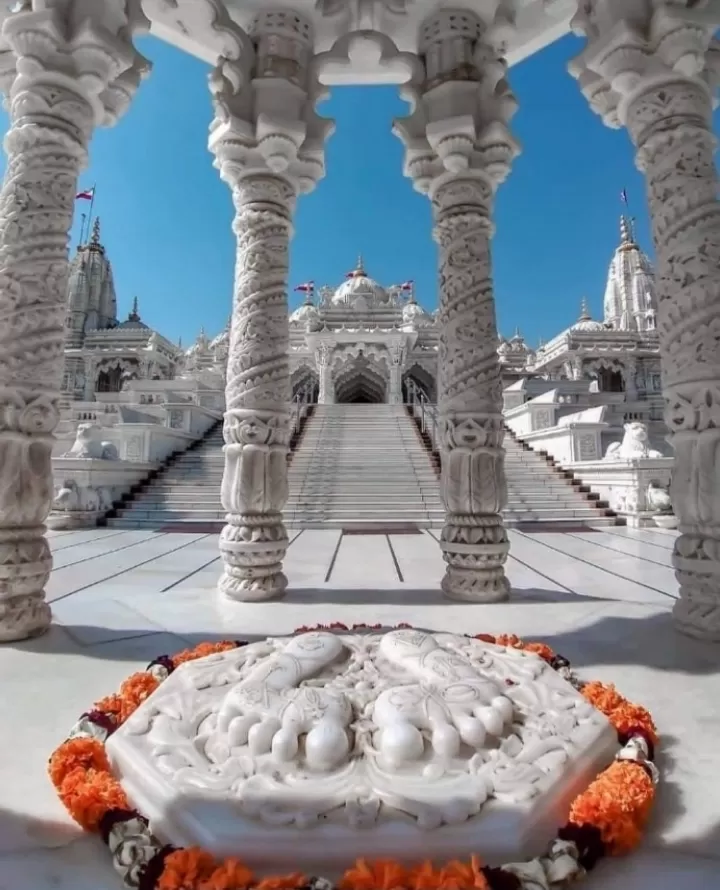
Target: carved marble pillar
{"points": [[257, 393], [397, 360], [323, 362], [268, 144], [459, 160], [657, 77], [59, 83]]}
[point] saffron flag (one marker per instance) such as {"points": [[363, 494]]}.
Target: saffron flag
{"points": [[306, 288], [623, 197], [87, 195]]}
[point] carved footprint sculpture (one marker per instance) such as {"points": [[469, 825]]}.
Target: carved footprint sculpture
{"points": [[269, 713], [451, 700]]}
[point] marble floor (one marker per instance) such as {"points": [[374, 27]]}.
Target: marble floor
{"points": [[601, 598]]}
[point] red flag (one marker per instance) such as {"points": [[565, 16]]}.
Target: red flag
{"points": [[87, 195], [407, 285], [307, 288]]}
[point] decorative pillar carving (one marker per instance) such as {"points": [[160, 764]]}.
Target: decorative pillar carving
{"points": [[460, 161], [656, 74], [323, 361], [268, 144], [397, 361], [61, 75]]}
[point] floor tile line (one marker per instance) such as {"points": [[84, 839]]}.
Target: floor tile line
{"points": [[334, 558], [394, 559], [190, 574], [594, 566], [106, 553], [629, 537], [129, 569], [89, 540], [542, 574], [591, 540]]}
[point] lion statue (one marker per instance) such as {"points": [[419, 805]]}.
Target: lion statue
{"points": [[72, 497], [88, 444], [634, 444]]}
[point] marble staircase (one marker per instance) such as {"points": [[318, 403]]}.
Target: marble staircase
{"points": [[355, 467]]}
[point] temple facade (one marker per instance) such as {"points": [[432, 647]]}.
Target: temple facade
{"points": [[365, 342]]}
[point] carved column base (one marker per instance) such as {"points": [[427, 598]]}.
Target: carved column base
{"points": [[25, 564], [697, 568], [253, 548], [475, 549]]}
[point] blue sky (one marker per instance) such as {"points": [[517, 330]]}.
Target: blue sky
{"points": [[166, 216]]}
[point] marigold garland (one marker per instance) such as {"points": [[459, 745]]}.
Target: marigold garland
{"points": [[607, 818]]}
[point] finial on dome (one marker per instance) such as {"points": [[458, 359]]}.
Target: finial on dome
{"points": [[517, 335], [627, 233], [134, 314], [360, 268], [180, 342], [584, 311]]}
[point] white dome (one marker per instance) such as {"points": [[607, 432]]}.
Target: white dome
{"points": [[413, 314], [359, 291], [585, 323], [304, 314]]}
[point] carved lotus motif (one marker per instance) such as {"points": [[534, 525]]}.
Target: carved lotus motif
{"points": [[322, 747]]}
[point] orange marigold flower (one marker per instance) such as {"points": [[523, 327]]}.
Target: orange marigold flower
{"points": [[424, 876], [618, 803], [186, 869], [89, 794], [111, 704], [485, 638], [201, 651], [382, 874], [231, 875], [623, 715], [83, 753], [134, 691], [282, 882], [463, 876], [514, 642]]}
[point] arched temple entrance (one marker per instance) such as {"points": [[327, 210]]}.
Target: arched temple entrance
{"points": [[360, 381]]}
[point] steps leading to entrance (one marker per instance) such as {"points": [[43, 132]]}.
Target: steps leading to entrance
{"points": [[357, 465]]}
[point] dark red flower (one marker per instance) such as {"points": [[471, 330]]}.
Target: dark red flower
{"points": [[111, 818], [588, 840], [499, 879], [152, 870]]}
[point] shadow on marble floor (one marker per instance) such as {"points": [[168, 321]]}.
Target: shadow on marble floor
{"points": [[431, 596], [650, 641]]}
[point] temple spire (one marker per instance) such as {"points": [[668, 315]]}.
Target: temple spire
{"points": [[95, 239], [584, 311]]}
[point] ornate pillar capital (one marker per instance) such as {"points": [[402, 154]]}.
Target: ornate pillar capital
{"points": [[464, 70], [634, 48], [264, 99]]}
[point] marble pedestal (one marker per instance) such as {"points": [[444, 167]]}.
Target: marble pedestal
{"points": [[312, 751]]}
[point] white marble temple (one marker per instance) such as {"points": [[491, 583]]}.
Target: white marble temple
{"points": [[602, 598]]}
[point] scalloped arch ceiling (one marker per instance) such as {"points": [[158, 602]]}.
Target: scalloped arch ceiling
{"points": [[188, 25]]}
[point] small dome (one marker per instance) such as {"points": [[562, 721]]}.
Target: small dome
{"points": [[200, 346], [359, 291], [504, 347], [305, 314], [413, 314], [585, 323]]}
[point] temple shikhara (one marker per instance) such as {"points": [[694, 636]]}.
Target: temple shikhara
{"points": [[260, 527]]}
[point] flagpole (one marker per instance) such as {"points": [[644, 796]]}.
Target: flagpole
{"points": [[83, 217], [92, 202]]}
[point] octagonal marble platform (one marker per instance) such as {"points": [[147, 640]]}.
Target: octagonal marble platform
{"points": [[601, 598]]}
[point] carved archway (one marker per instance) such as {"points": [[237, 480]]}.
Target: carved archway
{"points": [[360, 380], [422, 380], [305, 382]]}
